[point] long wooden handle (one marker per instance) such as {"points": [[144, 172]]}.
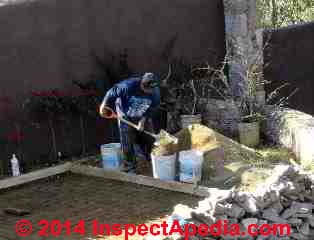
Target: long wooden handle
{"points": [[127, 122], [114, 115], [135, 126]]}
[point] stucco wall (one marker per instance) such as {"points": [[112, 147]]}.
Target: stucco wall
{"points": [[289, 59], [47, 43]]}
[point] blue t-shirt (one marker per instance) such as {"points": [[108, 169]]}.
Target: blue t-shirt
{"points": [[129, 101]]}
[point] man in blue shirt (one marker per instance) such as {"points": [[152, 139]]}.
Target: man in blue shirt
{"points": [[136, 100]]}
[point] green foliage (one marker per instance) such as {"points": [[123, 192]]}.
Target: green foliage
{"points": [[281, 13]]}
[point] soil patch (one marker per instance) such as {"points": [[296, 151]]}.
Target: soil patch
{"points": [[74, 197]]}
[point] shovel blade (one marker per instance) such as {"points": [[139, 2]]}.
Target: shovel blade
{"points": [[164, 134]]}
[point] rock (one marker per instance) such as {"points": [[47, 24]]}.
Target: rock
{"points": [[271, 215], [295, 221], [289, 212], [261, 203], [235, 211], [277, 206], [202, 218], [305, 229], [299, 236], [311, 221], [233, 221], [262, 237], [302, 215], [204, 206], [262, 222], [249, 221], [248, 203], [221, 218], [246, 235], [220, 209], [302, 207], [183, 211]]}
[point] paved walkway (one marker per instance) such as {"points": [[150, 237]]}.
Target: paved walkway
{"points": [[74, 197]]}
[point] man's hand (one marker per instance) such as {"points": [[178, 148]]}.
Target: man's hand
{"points": [[141, 125], [104, 111]]}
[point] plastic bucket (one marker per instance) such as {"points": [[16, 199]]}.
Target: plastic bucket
{"points": [[249, 134], [111, 156], [164, 167], [191, 162], [187, 120]]}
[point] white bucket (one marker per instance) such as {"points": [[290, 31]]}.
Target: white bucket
{"points": [[111, 156], [191, 162], [164, 167]]}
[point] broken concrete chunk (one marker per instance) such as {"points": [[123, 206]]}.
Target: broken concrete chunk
{"points": [[302, 207], [219, 209], [262, 237], [305, 229], [249, 221], [249, 205], [245, 236], [302, 215], [235, 211], [277, 206], [311, 221], [221, 218], [263, 203], [295, 221], [202, 218], [299, 236], [262, 222], [183, 211], [204, 206], [271, 215], [232, 221], [288, 213]]}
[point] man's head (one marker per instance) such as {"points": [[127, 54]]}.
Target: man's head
{"points": [[149, 82]]}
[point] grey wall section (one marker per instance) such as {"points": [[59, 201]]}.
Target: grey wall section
{"points": [[47, 43], [290, 58]]}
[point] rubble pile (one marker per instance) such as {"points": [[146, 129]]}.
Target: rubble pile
{"points": [[287, 197]]}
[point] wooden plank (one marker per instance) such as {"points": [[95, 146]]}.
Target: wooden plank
{"points": [[140, 179], [36, 175]]}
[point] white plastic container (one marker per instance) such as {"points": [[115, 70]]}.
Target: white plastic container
{"points": [[111, 156], [191, 162], [164, 167], [15, 166]]}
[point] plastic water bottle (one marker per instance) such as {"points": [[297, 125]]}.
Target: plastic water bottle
{"points": [[15, 166]]}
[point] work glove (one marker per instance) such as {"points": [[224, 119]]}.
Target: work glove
{"points": [[105, 112]]}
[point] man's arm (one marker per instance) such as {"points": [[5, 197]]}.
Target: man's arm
{"points": [[115, 92]]}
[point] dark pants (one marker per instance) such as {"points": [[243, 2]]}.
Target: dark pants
{"points": [[135, 144]]}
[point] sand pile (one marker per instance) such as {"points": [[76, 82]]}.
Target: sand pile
{"points": [[224, 158]]}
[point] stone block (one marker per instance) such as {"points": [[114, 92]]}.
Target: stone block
{"points": [[292, 129], [236, 6], [236, 25]]}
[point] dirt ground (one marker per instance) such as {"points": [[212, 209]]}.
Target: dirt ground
{"points": [[76, 197]]}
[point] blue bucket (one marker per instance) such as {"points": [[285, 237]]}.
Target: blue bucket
{"points": [[111, 156]]}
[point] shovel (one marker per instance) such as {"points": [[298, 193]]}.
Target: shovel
{"points": [[157, 137]]}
